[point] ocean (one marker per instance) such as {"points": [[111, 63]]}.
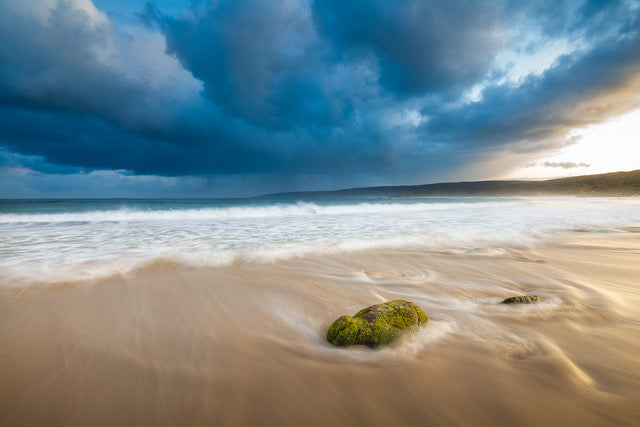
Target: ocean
{"points": [[215, 312], [48, 241]]}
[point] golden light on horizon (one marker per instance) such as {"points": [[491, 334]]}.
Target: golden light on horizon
{"points": [[610, 146]]}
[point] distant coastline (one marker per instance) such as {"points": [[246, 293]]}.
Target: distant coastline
{"points": [[615, 184]]}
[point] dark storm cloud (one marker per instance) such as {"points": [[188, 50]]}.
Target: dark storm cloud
{"points": [[572, 93], [421, 46], [90, 142], [352, 89], [94, 143], [52, 64], [75, 109], [261, 61]]}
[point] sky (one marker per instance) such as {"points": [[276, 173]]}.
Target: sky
{"points": [[226, 98]]}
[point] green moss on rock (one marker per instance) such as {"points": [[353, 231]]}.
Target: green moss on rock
{"points": [[377, 325], [522, 299], [343, 331]]}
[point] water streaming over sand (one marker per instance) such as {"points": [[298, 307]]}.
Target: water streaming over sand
{"points": [[53, 241], [215, 312]]}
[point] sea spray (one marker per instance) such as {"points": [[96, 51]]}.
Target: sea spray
{"points": [[51, 241]]}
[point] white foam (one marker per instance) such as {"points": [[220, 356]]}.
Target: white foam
{"points": [[427, 336], [221, 213], [77, 245]]}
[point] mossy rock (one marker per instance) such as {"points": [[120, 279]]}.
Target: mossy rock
{"points": [[377, 325], [522, 299]]}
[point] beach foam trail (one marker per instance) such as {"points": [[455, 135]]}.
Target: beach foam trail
{"points": [[244, 343], [70, 241], [216, 312]]}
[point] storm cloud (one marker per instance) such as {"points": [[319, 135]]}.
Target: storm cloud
{"points": [[307, 93]]}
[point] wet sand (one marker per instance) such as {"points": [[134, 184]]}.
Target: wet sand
{"points": [[244, 344]]}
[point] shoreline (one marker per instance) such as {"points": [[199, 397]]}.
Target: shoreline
{"points": [[244, 344]]}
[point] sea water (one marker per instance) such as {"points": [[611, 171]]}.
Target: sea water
{"points": [[190, 312], [48, 241]]}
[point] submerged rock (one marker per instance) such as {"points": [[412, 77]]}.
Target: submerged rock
{"points": [[376, 325], [522, 299]]}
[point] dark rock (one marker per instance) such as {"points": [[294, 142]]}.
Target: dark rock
{"points": [[377, 325], [522, 299]]}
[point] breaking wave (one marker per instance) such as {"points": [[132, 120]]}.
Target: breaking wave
{"points": [[78, 241]]}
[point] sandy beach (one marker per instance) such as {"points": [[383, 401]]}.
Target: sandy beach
{"points": [[193, 192], [245, 344]]}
